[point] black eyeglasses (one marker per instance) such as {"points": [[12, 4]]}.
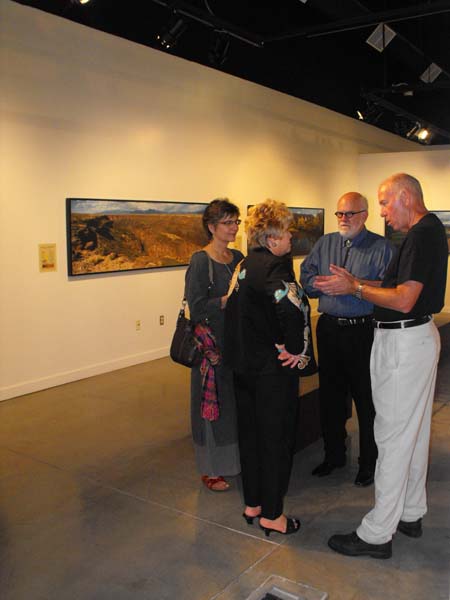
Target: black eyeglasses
{"points": [[230, 222], [348, 213]]}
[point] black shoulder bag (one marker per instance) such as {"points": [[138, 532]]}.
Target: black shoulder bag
{"points": [[184, 349]]}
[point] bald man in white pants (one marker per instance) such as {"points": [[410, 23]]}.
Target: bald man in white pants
{"points": [[403, 366]]}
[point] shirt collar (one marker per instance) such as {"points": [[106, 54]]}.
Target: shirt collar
{"points": [[356, 241]]}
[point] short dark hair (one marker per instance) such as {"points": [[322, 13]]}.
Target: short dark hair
{"points": [[217, 210]]}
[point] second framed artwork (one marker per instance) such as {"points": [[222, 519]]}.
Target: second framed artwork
{"points": [[307, 227]]}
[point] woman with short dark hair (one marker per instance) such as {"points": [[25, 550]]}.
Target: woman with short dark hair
{"points": [[213, 411]]}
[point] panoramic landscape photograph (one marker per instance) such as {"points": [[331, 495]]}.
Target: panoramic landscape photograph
{"points": [[105, 236]]}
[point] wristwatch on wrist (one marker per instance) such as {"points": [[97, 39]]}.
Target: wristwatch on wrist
{"points": [[358, 291]]}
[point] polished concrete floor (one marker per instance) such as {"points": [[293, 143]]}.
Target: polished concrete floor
{"points": [[100, 499]]}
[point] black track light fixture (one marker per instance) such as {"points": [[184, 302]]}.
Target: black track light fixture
{"points": [[172, 32], [218, 52]]}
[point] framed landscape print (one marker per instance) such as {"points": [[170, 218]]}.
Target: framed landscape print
{"points": [[397, 237], [307, 227], [106, 236]]}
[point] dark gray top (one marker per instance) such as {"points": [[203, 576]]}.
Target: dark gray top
{"points": [[204, 303]]}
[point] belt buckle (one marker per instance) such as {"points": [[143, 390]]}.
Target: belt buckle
{"points": [[343, 321]]}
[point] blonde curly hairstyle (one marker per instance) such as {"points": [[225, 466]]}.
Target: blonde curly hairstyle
{"points": [[268, 219]]}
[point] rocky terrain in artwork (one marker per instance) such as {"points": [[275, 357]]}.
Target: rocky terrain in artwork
{"points": [[104, 243]]}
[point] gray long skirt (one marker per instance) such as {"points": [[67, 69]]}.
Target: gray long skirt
{"points": [[213, 460]]}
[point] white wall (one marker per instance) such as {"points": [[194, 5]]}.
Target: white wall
{"points": [[430, 166], [84, 114]]}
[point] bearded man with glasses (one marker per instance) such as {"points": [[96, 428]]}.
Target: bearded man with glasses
{"points": [[345, 332]]}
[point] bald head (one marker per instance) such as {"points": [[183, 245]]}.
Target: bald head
{"points": [[351, 214], [402, 182], [401, 200], [355, 199]]}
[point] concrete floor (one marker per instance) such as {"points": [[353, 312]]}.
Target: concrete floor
{"points": [[100, 499]]}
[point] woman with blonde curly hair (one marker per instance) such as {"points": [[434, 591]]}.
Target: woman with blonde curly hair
{"points": [[264, 345]]}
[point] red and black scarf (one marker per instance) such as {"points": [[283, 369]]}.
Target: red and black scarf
{"points": [[210, 358]]}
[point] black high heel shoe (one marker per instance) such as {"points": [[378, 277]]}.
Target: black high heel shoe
{"points": [[292, 526], [249, 519]]}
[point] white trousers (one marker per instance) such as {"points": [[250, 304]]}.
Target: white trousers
{"points": [[403, 367]]}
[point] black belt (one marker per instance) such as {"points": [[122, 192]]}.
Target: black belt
{"points": [[348, 321], [402, 324]]}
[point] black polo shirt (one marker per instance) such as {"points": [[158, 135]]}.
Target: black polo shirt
{"points": [[422, 257]]}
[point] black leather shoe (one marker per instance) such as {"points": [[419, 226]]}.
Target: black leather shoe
{"points": [[364, 478], [351, 545], [326, 468], [411, 529]]}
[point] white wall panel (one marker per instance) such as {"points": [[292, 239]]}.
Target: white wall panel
{"points": [[85, 114]]}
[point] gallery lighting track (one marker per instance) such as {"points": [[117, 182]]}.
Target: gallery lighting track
{"points": [[183, 9], [414, 119]]}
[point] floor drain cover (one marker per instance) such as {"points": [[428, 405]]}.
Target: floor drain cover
{"points": [[279, 588]]}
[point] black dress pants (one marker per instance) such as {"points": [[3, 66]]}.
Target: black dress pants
{"points": [[267, 409], [344, 370]]}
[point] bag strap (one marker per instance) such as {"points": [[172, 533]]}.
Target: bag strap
{"points": [[210, 271], [211, 283]]}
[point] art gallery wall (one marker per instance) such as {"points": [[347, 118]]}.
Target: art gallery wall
{"points": [[431, 167], [84, 114]]}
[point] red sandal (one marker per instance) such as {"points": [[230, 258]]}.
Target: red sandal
{"points": [[210, 482]]}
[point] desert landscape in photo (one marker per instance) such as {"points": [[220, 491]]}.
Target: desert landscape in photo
{"points": [[141, 238]]}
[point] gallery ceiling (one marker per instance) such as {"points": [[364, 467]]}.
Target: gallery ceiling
{"points": [[312, 49]]}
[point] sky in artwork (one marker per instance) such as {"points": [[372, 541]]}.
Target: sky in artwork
{"points": [[126, 207]]}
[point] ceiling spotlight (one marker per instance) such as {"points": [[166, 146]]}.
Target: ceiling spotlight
{"points": [[423, 134], [79, 1], [402, 88], [371, 114], [380, 37], [172, 33], [218, 53]]}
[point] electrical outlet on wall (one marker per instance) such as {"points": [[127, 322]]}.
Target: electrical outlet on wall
{"points": [[161, 319], [138, 325]]}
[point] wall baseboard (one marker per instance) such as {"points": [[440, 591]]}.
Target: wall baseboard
{"points": [[36, 385]]}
